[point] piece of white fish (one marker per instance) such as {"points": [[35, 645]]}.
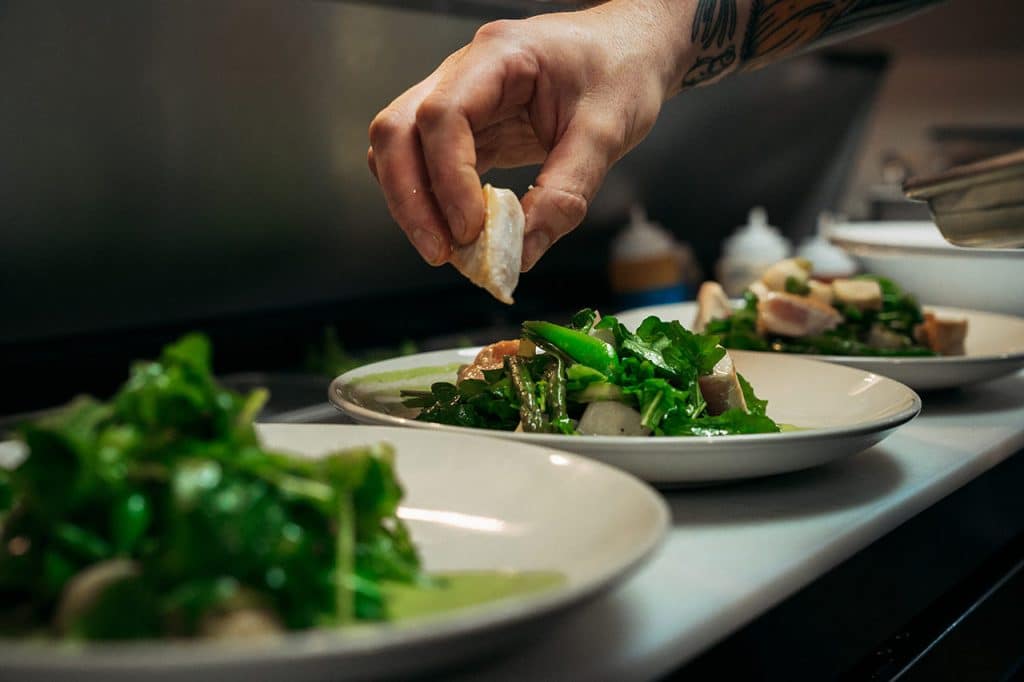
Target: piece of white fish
{"points": [[712, 304], [721, 388], [494, 260], [793, 315]]}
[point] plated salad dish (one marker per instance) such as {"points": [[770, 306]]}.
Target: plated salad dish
{"points": [[159, 513], [595, 377], [789, 311]]}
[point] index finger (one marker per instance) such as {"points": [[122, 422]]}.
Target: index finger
{"points": [[485, 85], [396, 161]]}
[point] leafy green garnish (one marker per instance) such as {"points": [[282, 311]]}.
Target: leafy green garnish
{"points": [[755, 405], [730, 422], [797, 286], [656, 370], [170, 479], [739, 330], [584, 320], [899, 315]]}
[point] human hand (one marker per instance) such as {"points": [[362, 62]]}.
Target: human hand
{"points": [[572, 91]]}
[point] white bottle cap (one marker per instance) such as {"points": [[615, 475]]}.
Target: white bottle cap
{"points": [[750, 250], [829, 260], [756, 241], [642, 238]]}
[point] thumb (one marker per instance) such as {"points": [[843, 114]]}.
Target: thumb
{"points": [[567, 183]]}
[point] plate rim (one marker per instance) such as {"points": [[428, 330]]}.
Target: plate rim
{"points": [[860, 247], [877, 425], [179, 656]]}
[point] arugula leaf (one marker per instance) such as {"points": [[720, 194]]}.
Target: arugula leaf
{"points": [[754, 404], [169, 478], [727, 423], [899, 315], [796, 286], [739, 330], [488, 404], [584, 320], [656, 370]]}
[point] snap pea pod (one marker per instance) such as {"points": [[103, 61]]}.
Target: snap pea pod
{"points": [[583, 348]]}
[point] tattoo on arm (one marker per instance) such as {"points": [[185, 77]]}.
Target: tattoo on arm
{"points": [[868, 13], [714, 27], [777, 28], [715, 22]]}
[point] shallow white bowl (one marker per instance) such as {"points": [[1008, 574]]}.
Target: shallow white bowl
{"points": [[915, 255], [472, 504], [994, 345], [841, 410]]}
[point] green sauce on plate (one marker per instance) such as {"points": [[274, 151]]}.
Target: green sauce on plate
{"points": [[398, 375], [460, 589]]}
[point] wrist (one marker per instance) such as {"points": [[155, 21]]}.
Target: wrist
{"points": [[657, 34], [695, 43]]}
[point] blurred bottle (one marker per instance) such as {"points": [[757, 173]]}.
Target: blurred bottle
{"points": [[749, 251], [830, 262], [648, 266]]}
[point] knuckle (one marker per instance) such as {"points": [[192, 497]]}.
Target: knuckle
{"points": [[504, 44], [384, 127], [371, 162], [520, 64], [431, 111], [495, 30], [607, 135], [571, 206]]}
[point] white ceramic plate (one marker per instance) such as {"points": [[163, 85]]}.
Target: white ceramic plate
{"points": [[472, 503], [841, 410], [915, 255], [994, 345]]}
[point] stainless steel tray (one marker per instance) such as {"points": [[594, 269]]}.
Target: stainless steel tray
{"points": [[979, 204]]}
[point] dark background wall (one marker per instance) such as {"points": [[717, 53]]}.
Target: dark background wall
{"points": [[178, 160], [172, 165]]}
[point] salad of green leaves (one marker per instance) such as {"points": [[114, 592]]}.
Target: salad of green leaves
{"points": [[888, 331], [159, 513], [655, 371]]}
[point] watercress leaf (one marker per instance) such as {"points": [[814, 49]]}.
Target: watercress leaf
{"points": [[583, 320], [755, 405]]}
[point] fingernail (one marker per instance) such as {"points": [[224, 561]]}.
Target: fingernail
{"points": [[427, 244], [456, 223], [534, 246]]}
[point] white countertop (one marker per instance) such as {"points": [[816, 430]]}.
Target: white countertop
{"points": [[734, 552]]}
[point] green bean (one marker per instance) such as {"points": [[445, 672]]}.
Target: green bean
{"points": [[529, 412]]}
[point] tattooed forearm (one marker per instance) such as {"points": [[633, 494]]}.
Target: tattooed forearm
{"points": [[714, 29], [714, 22], [777, 28], [873, 13]]}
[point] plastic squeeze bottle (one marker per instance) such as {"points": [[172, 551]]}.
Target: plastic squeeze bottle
{"points": [[749, 251], [830, 262], [648, 266]]}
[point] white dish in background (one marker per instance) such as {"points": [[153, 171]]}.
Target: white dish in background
{"points": [[915, 255], [994, 345], [841, 411], [471, 504]]}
